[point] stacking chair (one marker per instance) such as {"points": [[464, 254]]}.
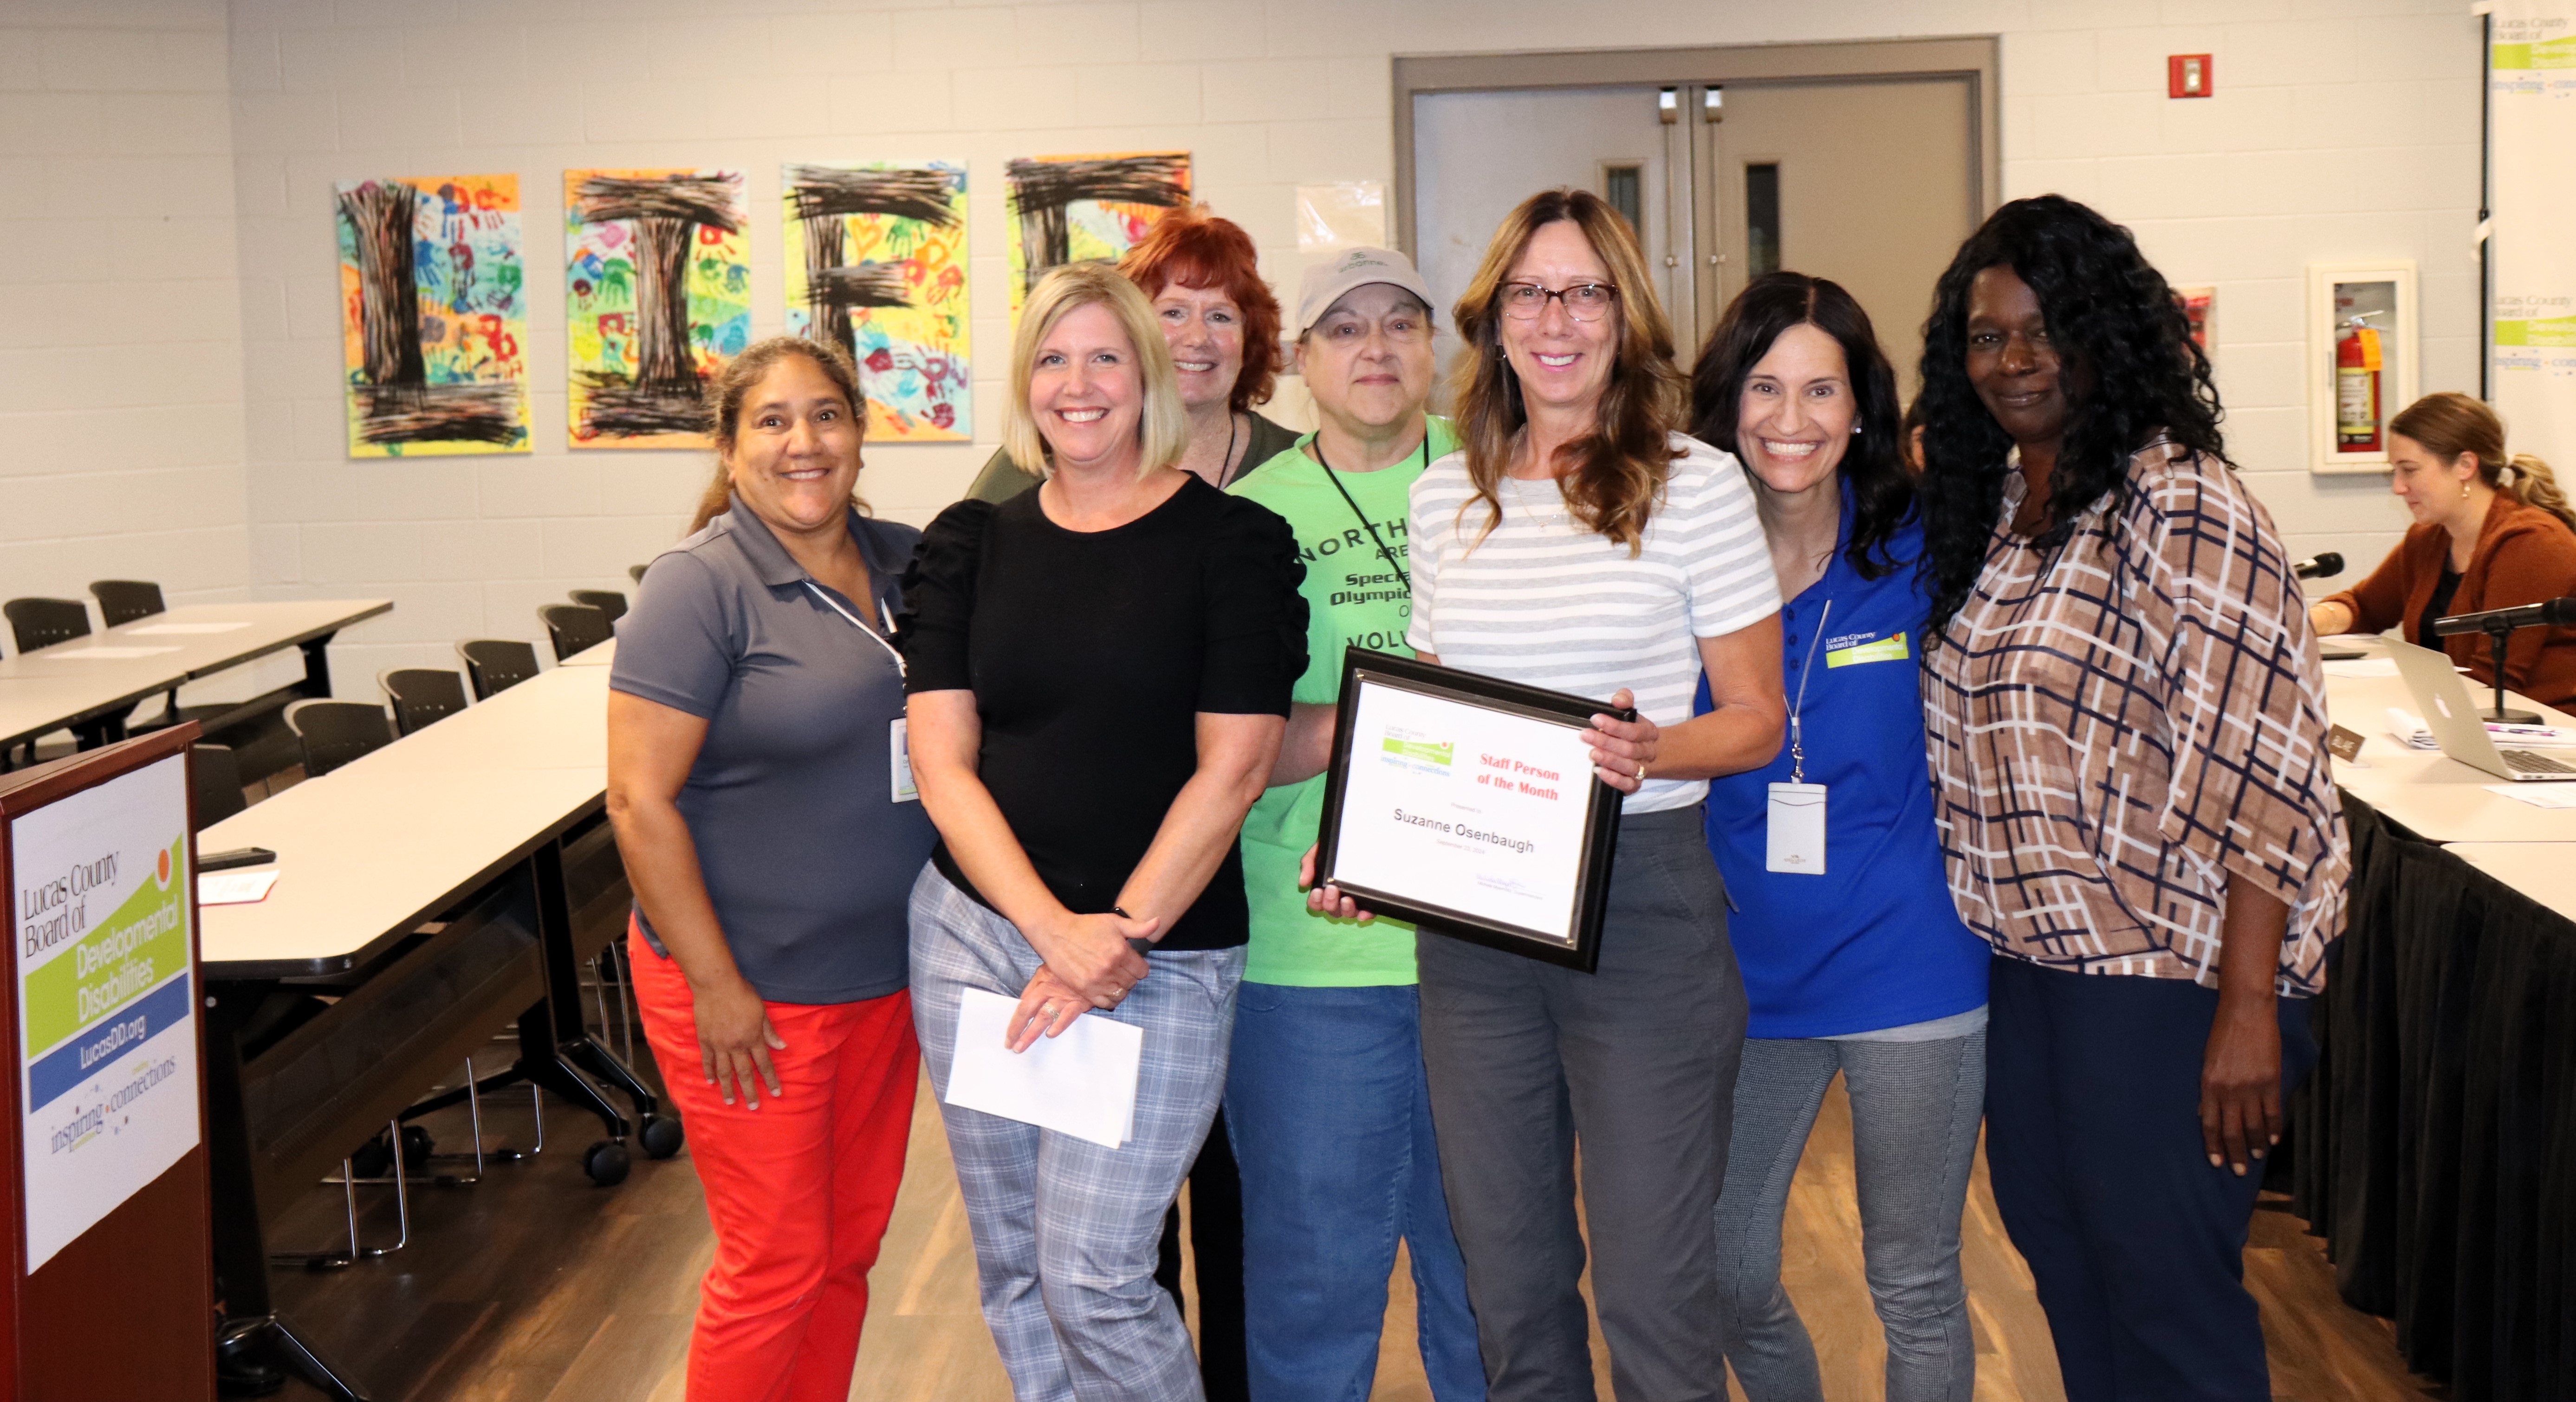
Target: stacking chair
{"points": [[607, 601], [336, 732], [125, 600], [214, 781], [422, 695], [574, 627], [495, 665], [636, 573], [35, 623]]}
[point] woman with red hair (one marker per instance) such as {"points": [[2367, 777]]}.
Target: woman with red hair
{"points": [[1203, 276]]}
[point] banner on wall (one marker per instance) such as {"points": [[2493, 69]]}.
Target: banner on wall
{"points": [[2531, 257]]}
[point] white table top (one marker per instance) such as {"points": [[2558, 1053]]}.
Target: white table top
{"points": [[599, 656], [382, 843], [2428, 793], [364, 856], [554, 720], [72, 681]]}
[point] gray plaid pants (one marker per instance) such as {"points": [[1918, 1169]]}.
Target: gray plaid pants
{"points": [[1065, 1230]]}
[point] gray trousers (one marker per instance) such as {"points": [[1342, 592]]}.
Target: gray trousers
{"points": [[1637, 1063], [1065, 1230], [1915, 1107]]}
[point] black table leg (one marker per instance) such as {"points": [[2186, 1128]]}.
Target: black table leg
{"points": [[578, 1048], [251, 1326]]}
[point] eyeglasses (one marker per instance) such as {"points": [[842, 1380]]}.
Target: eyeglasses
{"points": [[1584, 301]]}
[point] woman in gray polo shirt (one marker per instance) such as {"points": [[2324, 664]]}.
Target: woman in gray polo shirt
{"points": [[755, 723]]}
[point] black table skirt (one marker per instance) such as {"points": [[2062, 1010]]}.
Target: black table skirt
{"points": [[2435, 1148]]}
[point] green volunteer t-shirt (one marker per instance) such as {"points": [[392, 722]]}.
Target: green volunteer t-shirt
{"points": [[1352, 597]]}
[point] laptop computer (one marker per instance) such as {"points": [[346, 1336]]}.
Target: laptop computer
{"points": [[2457, 726]]}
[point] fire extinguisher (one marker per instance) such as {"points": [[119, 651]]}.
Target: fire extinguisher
{"points": [[2357, 388]]}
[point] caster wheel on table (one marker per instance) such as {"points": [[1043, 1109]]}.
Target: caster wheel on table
{"points": [[661, 1138], [606, 1163]]}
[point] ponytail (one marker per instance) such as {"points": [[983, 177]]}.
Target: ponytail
{"points": [[2529, 481]]}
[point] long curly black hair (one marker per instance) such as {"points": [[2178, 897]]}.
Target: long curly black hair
{"points": [[1882, 491], [2129, 371]]}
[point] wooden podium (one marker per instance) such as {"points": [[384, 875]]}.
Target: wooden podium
{"points": [[109, 1290]]}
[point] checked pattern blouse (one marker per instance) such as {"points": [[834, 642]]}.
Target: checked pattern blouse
{"points": [[2119, 725]]}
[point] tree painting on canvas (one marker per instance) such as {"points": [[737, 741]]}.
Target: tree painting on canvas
{"points": [[876, 264], [657, 297], [433, 321], [1074, 209]]}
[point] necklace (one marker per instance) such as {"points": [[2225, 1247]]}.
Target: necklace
{"points": [[1365, 523], [1225, 465]]}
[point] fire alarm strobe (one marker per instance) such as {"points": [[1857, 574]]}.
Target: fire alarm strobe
{"points": [[2187, 75]]}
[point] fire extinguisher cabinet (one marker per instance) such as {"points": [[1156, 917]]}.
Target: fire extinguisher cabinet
{"points": [[2362, 357]]}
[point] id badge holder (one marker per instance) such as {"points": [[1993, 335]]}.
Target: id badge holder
{"points": [[1797, 830], [899, 762]]}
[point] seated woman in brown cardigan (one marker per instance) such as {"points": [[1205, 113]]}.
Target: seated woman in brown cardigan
{"points": [[2489, 533]]}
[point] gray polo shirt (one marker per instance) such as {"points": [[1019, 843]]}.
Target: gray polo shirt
{"points": [[807, 856]]}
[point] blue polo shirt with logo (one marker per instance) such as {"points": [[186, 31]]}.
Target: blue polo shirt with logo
{"points": [[1874, 942]]}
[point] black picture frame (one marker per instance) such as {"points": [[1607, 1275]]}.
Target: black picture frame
{"points": [[1360, 666]]}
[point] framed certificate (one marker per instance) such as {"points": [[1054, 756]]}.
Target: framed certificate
{"points": [[1469, 805]]}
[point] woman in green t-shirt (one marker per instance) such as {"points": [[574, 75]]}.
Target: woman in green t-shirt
{"points": [[1325, 1098]]}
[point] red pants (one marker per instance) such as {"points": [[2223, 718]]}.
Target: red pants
{"points": [[799, 1190]]}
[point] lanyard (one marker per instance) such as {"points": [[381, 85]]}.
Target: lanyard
{"points": [[1797, 750], [835, 606], [1365, 523]]}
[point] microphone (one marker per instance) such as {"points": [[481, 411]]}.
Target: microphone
{"points": [[2547, 613], [2325, 566]]}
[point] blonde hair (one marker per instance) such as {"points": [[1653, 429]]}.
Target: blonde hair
{"points": [[735, 382], [1163, 428], [2449, 424], [1617, 471]]}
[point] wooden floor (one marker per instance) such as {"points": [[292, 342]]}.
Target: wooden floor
{"points": [[534, 1286]]}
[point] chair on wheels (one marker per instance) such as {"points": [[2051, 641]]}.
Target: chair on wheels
{"points": [[125, 600], [422, 695], [335, 732], [35, 623], [494, 665], [607, 601], [575, 628], [214, 784]]}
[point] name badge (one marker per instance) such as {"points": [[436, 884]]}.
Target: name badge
{"points": [[899, 763], [1797, 830]]}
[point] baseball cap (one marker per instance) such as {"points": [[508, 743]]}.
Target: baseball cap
{"points": [[1325, 282]]}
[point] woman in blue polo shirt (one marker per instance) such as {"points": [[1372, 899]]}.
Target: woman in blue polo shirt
{"points": [[1854, 958]]}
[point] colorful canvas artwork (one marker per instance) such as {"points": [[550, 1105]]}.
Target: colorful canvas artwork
{"points": [[876, 264], [1070, 209], [657, 296], [433, 321]]}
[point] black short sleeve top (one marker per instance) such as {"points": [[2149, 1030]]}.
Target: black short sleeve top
{"points": [[1091, 655]]}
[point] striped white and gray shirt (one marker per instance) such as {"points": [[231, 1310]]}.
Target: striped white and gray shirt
{"points": [[1544, 602]]}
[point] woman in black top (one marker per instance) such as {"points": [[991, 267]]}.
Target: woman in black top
{"points": [[1099, 679]]}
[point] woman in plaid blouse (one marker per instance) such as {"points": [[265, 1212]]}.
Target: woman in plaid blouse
{"points": [[2127, 732]]}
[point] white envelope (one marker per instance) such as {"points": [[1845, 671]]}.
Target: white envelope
{"points": [[1082, 1083]]}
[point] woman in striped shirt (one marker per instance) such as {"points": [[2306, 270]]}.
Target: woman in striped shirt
{"points": [[1581, 542]]}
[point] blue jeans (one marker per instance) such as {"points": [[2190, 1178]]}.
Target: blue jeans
{"points": [[1330, 1118]]}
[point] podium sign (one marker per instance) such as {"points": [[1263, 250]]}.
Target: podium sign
{"points": [[108, 1039], [109, 1287]]}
